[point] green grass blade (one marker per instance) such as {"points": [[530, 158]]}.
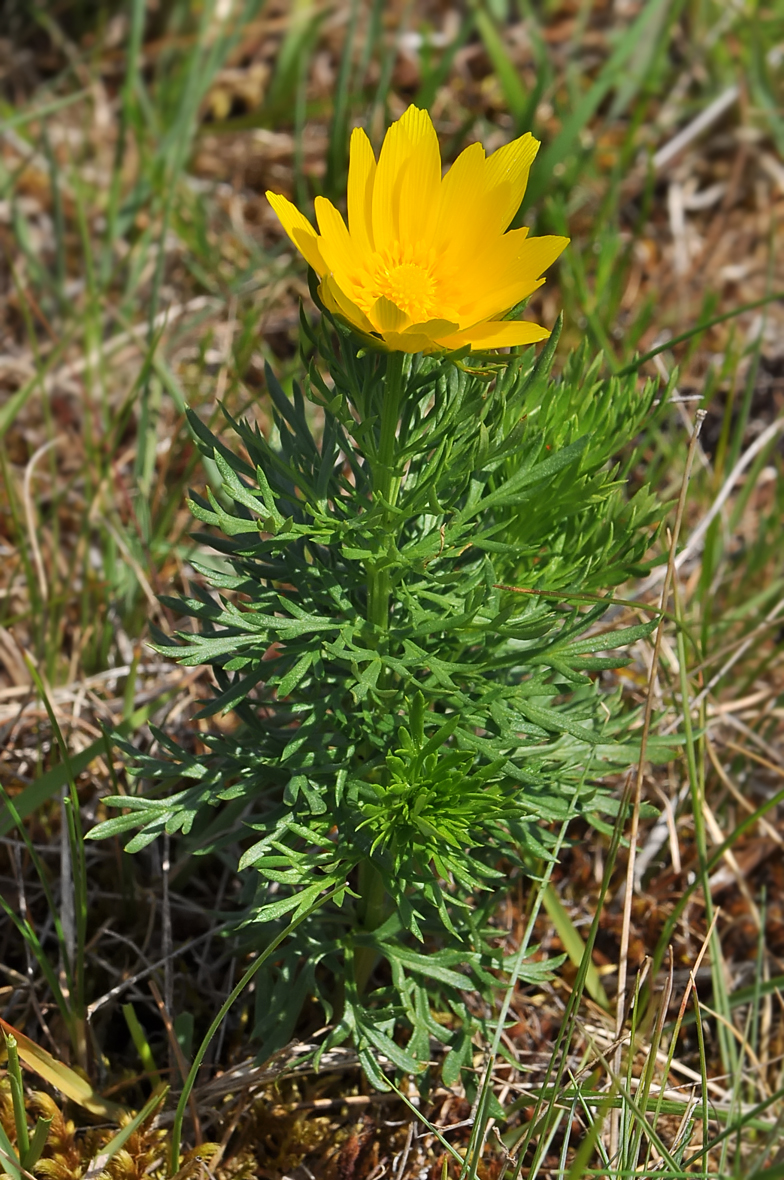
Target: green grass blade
{"points": [[118, 1141], [513, 90], [337, 149], [611, 73], [574, 945], [37, 1143], [435, 78], [702, 327], [125, 122], [14, 1074], [139, 1038], [78, 863], [10, 122], [9, 1161], [43, 878]]}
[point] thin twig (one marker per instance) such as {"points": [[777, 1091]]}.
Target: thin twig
{"points": [[15, 852], [406, 1152], [759, 444], [696, 538], [32, 527], [703, 121], [773, 754], [132, 979], [67, 895], [740, 651], [765, 827], [177, 1053], [166, 940]]}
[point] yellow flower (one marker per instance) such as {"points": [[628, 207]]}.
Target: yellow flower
{"points": [[425, 264]]}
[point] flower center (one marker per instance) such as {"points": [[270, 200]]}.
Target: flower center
{"points": [[409, 286]]}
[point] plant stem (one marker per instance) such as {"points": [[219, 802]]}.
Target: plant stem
{"points": [[386, 485], [372, 913]]}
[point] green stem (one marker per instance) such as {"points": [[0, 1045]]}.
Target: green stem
{"points": [[372, 911], [386, 486]]}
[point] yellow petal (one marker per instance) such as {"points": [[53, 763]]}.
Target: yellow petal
{"points": [[400, 143], [332, 227], [501, 287], [417, 342], [336, 301], [361, 179], [432, 328], [496, 334], [537, 254], [486, 272], [420, 189], [479, 197], [507, 168], [299, 230], [387, 316], [497, 305], [336, 246], [461, 190]]}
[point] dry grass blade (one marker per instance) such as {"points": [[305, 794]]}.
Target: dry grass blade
{"points": [[620, 1013], [65, 1080]]}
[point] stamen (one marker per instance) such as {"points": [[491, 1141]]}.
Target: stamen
{"points": [[410, 287]]}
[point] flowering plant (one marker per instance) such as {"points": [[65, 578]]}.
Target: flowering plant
{"points": [[412, 733]]}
